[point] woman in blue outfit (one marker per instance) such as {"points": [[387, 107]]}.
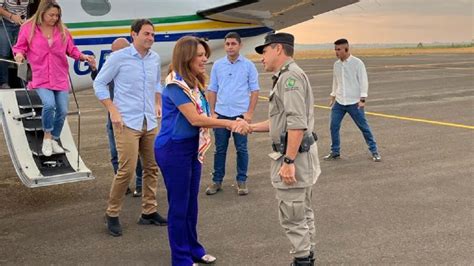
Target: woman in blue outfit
{"points": [[180, 146]]}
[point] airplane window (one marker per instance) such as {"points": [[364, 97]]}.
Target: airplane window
{"points": [[96, 7]]}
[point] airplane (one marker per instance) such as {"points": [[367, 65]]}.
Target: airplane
{"points": [[95, 24]]}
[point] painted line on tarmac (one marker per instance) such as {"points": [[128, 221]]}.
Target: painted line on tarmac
{"points": [[400, 117]]}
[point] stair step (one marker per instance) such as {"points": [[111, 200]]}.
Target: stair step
{"points": [[32, 129], [23, 99], [27, 106], [32, 124], [34, 118], [40, 154], [53, 165]]}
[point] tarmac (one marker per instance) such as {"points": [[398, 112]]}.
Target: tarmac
{"points": [[413, 208]]}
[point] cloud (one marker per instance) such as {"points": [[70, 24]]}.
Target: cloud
{"points": [[392, 22], [414, 7]]}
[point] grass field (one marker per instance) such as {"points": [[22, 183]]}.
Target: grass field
{"points": [[315, 54]]}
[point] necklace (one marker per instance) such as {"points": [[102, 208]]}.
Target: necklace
{"points": [[45, 30]]}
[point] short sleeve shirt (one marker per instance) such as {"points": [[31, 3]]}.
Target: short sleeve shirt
{"points": [[291, 102], [174, 125], [291, 107]]}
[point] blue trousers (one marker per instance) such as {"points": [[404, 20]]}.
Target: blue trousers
{"points": [[222, 136], [181, 171], [358, 115], [55, 108], [114, 155], [5, 50]]}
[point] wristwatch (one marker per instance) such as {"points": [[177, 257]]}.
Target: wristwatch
{"points": [[362, 100], [288, 160]]}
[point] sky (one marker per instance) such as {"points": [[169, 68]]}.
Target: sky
{"points": [[391, 21]]}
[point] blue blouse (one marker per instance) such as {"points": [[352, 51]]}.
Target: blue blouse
{"points": [[174, 124]]}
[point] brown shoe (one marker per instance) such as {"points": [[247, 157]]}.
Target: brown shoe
{"points": [[213, 188], [242, 189]]}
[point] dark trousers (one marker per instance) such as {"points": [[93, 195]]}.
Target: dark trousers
{"points": [[11, 34], [181, 170], [222, 136]]}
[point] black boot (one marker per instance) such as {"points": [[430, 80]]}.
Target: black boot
{"points": [[138, 192], [152, 218], [113, 225], [305, 261]]}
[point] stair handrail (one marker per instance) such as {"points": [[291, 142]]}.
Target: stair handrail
{"points": [[32, 113], [78, 113]]}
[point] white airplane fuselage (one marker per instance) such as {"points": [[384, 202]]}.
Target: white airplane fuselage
{"points": [[93, 34]]}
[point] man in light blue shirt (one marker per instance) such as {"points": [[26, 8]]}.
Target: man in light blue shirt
{"points": [[133, 112], [233, 93]]}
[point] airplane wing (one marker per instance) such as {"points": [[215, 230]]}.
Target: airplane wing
{"points": [[274, 14]]}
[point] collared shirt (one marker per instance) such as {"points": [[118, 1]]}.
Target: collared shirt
{"points": [[233, 83], [136, 81], [290, 106], [94, 74], [291, 101], [350, 81], [48, 63], [174, 124], [16, 7]]}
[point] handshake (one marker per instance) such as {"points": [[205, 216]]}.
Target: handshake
{"points": [[240, 126]]}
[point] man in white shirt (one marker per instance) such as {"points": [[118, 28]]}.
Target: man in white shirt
{"points": [[349, 92]]}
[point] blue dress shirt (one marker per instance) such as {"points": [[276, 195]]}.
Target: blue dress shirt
{"points": [[233, 83], [136, 81]]}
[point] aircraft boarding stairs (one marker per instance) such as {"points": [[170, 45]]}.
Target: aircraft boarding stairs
{"points": [[20, 116]]}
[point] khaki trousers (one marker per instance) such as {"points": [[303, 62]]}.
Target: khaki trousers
{"points": [[297, 218], [130, 143]]}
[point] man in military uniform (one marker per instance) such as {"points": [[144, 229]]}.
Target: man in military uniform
{"points": [[295, 165]]}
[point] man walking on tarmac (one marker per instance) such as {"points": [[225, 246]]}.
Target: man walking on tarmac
{"points": [[118, 44], [134, 112]]}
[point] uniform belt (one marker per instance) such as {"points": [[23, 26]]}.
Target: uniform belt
{"points": [[304, 147]]}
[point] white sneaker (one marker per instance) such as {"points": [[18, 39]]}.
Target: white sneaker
{"points": [[47, 148], [56, 147]]}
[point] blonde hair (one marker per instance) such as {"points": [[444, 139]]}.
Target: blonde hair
{"points": [[37, 18], [184, 52]]}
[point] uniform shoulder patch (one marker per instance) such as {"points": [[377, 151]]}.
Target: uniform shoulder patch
{"points": [[290, 83]]}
